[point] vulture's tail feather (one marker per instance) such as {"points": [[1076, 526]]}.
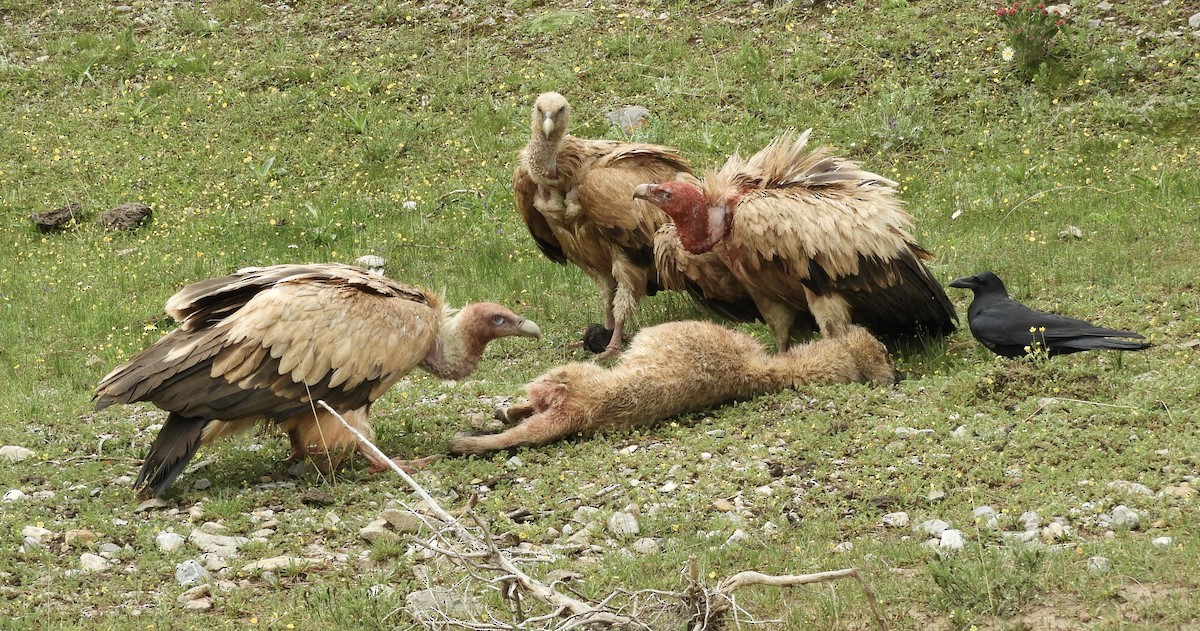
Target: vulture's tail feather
{"points": [[175, 445]]}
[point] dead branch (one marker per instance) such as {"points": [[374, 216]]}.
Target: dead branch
{"points": [[704, 606]]}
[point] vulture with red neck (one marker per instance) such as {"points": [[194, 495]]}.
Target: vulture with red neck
{"points": [[575, 196], [266, 343], [809, 233]]}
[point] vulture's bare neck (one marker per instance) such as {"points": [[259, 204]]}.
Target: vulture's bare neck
{"points": [[701, 229], [458, 348]]}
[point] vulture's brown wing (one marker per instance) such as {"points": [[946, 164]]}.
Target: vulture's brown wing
{"points": [[524, 192], [705, 277], [848, 239], [605, 193], [340, 334]]}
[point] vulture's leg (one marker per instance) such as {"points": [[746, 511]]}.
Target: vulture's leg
{"points": [[831, 312], [780, 318], [631, 288]]}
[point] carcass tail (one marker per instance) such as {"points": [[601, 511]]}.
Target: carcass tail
{"points": [[175, 445]]}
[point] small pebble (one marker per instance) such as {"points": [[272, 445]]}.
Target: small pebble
{"points": [[1125, 517], [93, 562], [14, 453], [169, 541], [623, 524], [202, 484], [1161, 542], [844, 546], [932, 526], [896, 520], [736, 538], [951, 539], [189, 572], [645, 545], [15, 495]]}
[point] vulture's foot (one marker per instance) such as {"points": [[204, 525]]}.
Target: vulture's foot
{"points": [[609, 353], [408, 466]]}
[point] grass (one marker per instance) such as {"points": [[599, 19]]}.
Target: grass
{"points": [[261, 135]]}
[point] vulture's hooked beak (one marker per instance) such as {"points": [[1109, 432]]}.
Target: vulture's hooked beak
{"points": [[966, 282], [529, 328], [646, 192], [548, 125]]}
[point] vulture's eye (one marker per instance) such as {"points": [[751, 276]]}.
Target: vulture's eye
{"points": [[499, 320], [664, 194]]}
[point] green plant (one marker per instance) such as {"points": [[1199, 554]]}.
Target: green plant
{"points": [[1031, 33]]}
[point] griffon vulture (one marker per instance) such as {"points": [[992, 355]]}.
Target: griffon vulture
{"points": [[266, 343], [575, 196], [807, 232], [1010, 329], [676, 368]]}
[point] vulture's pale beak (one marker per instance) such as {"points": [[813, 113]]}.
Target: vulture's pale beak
{"points": [[548, 125], [529, 328], [645, 191]]}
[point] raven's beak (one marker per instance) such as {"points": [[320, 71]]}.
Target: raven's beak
{"points": [[966, 282]]}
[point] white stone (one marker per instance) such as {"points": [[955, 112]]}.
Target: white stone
{"points": [[844, 546], [668, 487], [282, 563], [13, 453], [169, 541], [409, 205], [932, 526], [623, 524], [951, 539], [37, 534], [93, 562], [1161, 542], [936, 495], [214, 528], [896, 520], [514, 463], [736, 538], [645, 545], [1194, 21], [331, 521], [1030, 520], [764, 490], [1054, 531], [15, 495]]}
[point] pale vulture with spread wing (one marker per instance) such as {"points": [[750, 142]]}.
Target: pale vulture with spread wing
{"points": [[267, 343]]}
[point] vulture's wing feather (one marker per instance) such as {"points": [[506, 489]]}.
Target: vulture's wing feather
{"points": [[524, 192], [330, 332], [705, 277]]}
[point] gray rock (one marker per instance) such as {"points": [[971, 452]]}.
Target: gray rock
{"points": [[514, 463], [844, 546], [169, 541], [629, 118], [217, 544], [331, 521], [1054, 531], [377, 530], [1099, 565], [440, 604], [896, 520], [403, 521], [1194, 21], [214, 528], [199, 592], [1030, 520], [190, 571], [1161, 542], [154, 503], [935, 496], [13, 453], [202, 484], [93, 562], [1125, 517], [213, 562], [932, 526], [1132, 488], [622, 524]]}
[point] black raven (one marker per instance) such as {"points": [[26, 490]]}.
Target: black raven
{"points": [[1011, 329]]}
